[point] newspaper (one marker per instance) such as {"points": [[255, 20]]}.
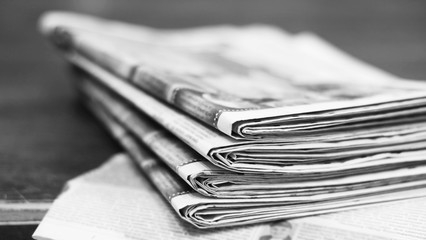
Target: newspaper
{"points": [[207, 212], [286, 85], [212, 181], [116, 202]]}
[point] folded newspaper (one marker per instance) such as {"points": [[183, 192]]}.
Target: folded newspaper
{"points": [[248, 82], [379, 135], [116, 202]]}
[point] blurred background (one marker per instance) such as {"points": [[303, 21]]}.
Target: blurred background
{"points": [[43, 128]]}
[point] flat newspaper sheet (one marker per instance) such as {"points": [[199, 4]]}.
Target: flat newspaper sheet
{"points": [[212, 181], [365, 148], [207, 212], [248, 82], [116, 202]]}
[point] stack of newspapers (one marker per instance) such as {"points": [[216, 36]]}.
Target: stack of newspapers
{"points": [[238, 125]]}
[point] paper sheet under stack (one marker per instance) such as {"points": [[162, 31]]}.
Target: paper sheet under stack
{"points": [[116, 202]]}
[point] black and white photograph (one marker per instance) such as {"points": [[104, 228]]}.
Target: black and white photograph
{"points": [[240, 119]]}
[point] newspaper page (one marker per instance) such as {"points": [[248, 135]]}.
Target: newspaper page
{"points": [[206, 212], [116, 202], [201, 80], [209, 180]]}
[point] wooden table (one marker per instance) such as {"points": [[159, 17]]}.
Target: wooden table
{"points": [[45, 130]]}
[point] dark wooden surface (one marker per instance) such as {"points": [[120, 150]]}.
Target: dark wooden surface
{"points": [[43, 129]]}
